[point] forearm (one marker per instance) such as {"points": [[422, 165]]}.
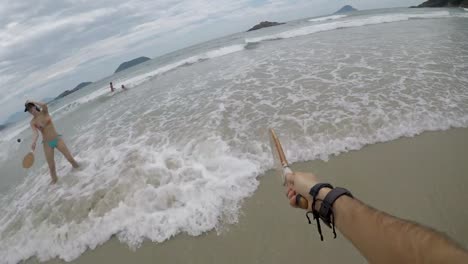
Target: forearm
{"points": [[41, 105], [35, 137], [382, 238]]}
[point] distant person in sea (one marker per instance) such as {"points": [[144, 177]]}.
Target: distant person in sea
{"points": [[380, 237], [42, 122], [123, 87], [112, 87]]}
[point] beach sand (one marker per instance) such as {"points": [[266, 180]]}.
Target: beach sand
{"points": [[423, 179]]}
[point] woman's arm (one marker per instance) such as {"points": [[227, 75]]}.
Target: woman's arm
{"points": [[35, 136], [380, 237], [43, 106]]}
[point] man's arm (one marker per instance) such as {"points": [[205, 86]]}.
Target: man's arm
{"points": [[382, 238]]}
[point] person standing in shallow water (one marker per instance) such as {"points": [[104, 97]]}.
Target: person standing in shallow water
{"points": [[50, 138], [112, 87]]}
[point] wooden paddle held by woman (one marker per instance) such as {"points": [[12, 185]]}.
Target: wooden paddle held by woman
{"points": [[28, 160]]}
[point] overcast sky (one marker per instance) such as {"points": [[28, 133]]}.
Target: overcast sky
{"points": [[48, 46]]}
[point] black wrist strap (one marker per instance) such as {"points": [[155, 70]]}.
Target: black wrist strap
{"points": [[326, 212], [327, 204], [314, 192], [316, 189]]}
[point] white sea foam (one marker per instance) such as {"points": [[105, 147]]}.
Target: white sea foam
{"points": [[348, 23], [184, 62], [466, 9], [150, 182], [321, 19], [462, 15], [7, 147]]}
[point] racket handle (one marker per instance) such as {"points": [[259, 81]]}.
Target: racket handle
{"points": [[302, 202], [286, 171]]}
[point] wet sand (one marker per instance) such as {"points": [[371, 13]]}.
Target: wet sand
{"points": [[423, 179]]}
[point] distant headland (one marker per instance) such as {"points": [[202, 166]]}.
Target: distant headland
{"points": [[346, 9], [67, 92], [131, 63], [264, 24]]}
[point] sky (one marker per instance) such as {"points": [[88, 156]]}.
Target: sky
{"points": [[49, 46]]}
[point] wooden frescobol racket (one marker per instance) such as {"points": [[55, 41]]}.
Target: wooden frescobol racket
{"points": [[28, 160], [282, 165]]}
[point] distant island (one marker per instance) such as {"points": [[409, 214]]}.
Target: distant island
{"points": [[444, 3], [131, 63], [346, 9], [67, 92], [264, 24]]}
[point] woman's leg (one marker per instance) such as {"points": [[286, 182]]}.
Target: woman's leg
{"points": [[63, 148], [49, 153]]}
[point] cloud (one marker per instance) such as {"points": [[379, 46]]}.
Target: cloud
{"points": [[18, 33]]}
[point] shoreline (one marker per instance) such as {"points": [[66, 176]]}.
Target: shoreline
{"points": [[422, 179]]}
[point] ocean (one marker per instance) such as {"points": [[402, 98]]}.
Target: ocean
{"points": [[186, 144]]}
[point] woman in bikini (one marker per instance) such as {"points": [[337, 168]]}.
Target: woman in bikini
{"points": [[50, 138]]}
